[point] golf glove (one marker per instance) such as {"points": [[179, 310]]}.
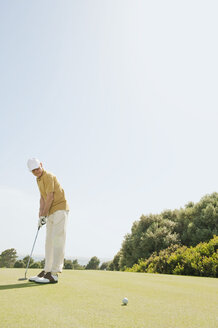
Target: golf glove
{"points": [[42, 221]]}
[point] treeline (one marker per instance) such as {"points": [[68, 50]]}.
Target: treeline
{"points": [[188, 226], [201, 260], [8, 259], [170, 242]]}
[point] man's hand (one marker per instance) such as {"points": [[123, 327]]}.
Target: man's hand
{"points": [[45, 205], [42, 221]]}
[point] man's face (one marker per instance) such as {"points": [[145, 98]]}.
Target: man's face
{"points": [[38, 172]]}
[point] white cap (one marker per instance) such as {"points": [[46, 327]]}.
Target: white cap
{"points": [[33, 163]]}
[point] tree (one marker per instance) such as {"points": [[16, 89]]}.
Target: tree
{"points": [[26, 259], [187, 226], [151, 233], [72, 265], [68, 264], [105, 265], [198, 222], [8, 258], [19, 264], [35, 265], [114, 264], [42, 263], [93, 264], [77, 266]]}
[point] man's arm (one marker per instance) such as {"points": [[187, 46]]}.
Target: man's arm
{"points": [[42, 205], [46, 204]]}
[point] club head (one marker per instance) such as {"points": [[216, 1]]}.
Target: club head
{"points": [[22, 279]]}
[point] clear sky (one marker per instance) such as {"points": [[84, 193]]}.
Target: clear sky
{"points": [[119, 100]]}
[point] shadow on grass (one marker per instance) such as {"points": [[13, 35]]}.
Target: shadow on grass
{"points": [[14, 286]]}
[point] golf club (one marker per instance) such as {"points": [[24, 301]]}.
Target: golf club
{"points": [[25, 278]]}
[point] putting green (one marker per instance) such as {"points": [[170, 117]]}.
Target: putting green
{"points": [[93, 299]]}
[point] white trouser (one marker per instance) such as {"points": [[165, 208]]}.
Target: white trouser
{"points": [[55, 241]]}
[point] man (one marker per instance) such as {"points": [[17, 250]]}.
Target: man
{"points": [[54, 212]]}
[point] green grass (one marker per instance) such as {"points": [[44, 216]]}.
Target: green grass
{"points": [[86, 299]]}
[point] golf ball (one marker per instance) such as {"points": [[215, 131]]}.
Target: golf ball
{"points": [[125, 301]]}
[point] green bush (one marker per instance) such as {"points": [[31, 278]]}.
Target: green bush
{"points": [[201, 260]]}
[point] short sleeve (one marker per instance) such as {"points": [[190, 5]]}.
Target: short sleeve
{"points": [[49, 186]]}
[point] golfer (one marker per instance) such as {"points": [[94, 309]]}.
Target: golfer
{"points": [[54, 212]]}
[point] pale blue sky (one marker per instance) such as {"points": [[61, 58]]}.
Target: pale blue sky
{"points": [[119, 100]]}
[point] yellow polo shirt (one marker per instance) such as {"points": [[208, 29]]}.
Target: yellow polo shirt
{"points": [[48, 183]]}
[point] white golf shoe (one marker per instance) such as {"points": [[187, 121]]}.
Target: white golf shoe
{"points": [[40, 275], [47, 279]]}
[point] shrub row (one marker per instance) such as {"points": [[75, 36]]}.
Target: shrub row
{"points": [[201, 260]]}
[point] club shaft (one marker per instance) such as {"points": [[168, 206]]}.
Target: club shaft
{"points": [[31, 251]]}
